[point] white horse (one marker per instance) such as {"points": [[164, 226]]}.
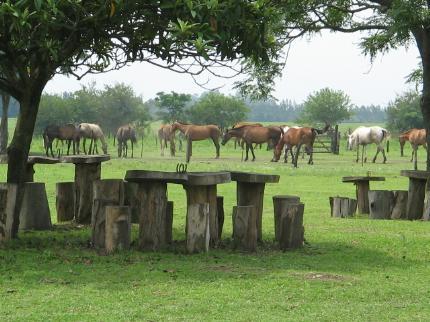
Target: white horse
{"points": [[93, 132], [363, 136]]}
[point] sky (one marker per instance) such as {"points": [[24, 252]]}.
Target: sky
{"points": [[329, 60]]}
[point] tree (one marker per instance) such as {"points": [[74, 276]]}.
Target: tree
{"points": [[326, 106], [216, 108], [4, 134], [39, 39], [388, 24], [404, 113], [172, 106]]}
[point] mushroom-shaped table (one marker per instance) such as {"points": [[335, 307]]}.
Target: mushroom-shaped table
{"points": [[362, 190]]}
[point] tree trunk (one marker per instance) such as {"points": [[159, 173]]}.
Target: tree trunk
{"points": [[381, 203], [280, 205], [245, 228], [400, 204], [198, 228], [4, 123], [65, 201], [291, 232], [20, 146], [118, 228], [342, 207]]}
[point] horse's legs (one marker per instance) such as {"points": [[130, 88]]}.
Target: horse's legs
{"points": [[311, 154], [247, 149], [358, 153], [189, 150], [402, 145], [378, 149], [286, 154], [215, 140], [119, 144], [297, 155], [415, 155], [252, 151], [363, 147], [132, 149]]}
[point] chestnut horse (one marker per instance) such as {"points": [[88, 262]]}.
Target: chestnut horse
{"points": [[403, 137], [417, 137], [68, 132], [253, 134], [296, 137], [197, 133], [166, 134], [239, 141]]}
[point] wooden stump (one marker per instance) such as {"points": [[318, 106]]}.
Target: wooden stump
{"points": [[198, 228], [152, 215], [118, 228], [169, 222], [35, 213], [381, 204], [252, 194], [342, 207], [206, 194], [245, 228], [8, 195], [220, 214], [65, 201], [362, 191], [416, 195], [85, 175], [426, 209], [291, 232], [131, 200], [280, 205], [400, 201], [106, 193]]}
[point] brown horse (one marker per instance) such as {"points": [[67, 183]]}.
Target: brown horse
{"points": [[296, 137], [253, 134], [68, 132], [403, 137], [239, 141], [166, 134], [417, 137], [197, 133], [123, 134]]}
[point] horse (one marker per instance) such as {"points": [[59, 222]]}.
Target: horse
{"points": [[239, 141], [67, 132], [363, 136], [93, 132], [417, 137], [123, 134], [197, 133], [166, 134], [296, 137], [253, 134], [403, 137]]}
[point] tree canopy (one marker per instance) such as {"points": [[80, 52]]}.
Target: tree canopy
{"points": [[171, 107], [326, 106], [404, 112]]}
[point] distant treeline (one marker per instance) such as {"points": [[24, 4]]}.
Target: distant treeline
{"points": [[289, 111]]}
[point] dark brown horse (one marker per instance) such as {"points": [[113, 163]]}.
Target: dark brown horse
{"points": [[239, 141], [68, 132], [123, 134], [253, 134], [197, 133]]}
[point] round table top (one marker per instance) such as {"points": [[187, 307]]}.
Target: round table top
{"points": [[207, 178], [416, 174], [85, 159], [33, 159], [253, 177], [160, 176], [363, 178]]}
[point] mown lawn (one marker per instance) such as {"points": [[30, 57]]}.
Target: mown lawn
{"points": [[349, 269]]}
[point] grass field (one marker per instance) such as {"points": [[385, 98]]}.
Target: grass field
{"points": [[350, 269]]}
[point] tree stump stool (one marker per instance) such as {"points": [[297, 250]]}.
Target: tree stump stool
{"points": [[220, 214], [291, 232], [118, 228], [201, 187], [400, 203], [342, 207], [87, 170], [381, 204], [155, 217], [65, 201], [108, 192], [280, 205], [416, 192], [362, 189], [250, 191], [198, 234], [34, 214], [8, 195], [245, 228]]}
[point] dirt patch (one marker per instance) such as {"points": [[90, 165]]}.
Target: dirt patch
{"points": [[324, 277]]}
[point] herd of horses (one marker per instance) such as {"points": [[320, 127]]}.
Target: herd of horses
{"points": [[247, 135]]}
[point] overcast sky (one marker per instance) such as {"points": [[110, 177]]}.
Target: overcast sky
{"points": [[330, 60]]}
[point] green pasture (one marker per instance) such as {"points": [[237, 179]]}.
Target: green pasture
{"points": [[349, 269]]}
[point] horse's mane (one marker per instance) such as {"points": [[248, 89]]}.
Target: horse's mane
{"points": [[183, 123]]}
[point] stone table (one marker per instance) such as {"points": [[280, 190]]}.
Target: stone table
{"points": [[416, 193], [87, 170], [362, 190], [32, 160], [152, 206], [201, 187], [250, 191]]}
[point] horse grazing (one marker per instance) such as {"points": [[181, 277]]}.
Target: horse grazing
{"points": [[253, 134], [123, 134], [166, 134], [403, 137], [296, 137], [239, 141], [417, 137], [67, 132], [93, 132], [363, 136], [197, 133]]}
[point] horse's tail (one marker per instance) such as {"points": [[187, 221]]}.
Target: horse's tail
{"points": [[386, 136]]}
